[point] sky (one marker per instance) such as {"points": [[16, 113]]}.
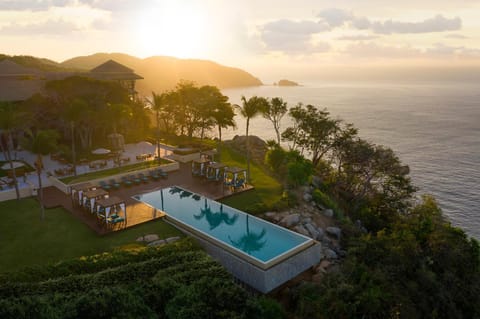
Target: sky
{"points": [[303, 39]]}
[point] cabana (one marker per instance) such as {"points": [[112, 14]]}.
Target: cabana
{"points": [[234, 177], [77, 191], [199, 166], [90, 197], [108, 210], [215, 171], [208, 154]]}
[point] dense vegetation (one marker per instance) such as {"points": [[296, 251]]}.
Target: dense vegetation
{"points": [[176, 281], [404, 259]]}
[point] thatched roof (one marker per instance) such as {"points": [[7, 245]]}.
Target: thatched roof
{"points": [[112, 70]]}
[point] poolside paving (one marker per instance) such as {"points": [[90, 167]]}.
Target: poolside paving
{"points": [[138, 212]]}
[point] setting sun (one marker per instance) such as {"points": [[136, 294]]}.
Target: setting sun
{"points": [[173, 29]]}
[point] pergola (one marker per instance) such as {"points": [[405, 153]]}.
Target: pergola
{"points": [[198, 166], [77, 192], [111, 205], [214, 171], [90, 197], [234, 173]]}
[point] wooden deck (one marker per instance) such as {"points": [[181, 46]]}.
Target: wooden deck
{"points": [[138, 213]]}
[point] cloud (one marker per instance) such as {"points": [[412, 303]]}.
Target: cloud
{"points": [[359, 37], [436, 24], [335, 17], [31, 5], [50, 27], [438, 50], [456, 36], [373, 50], [293, 36]]}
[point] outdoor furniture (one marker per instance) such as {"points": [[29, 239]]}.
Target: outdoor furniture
{"points": [[233, 178], [77, 191], [199, 167], [240, 183], [215, 171], [154, 174], [143, 177], [105, 185], [114, 184], [135, 179], [91, 197], [125, 181], [112, 211], [162, 173]]}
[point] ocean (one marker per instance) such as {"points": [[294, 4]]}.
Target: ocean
{"points": [[433, 127]]}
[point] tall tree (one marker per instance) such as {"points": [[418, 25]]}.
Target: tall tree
{"points": [[220, 110], [249, 109], [274, 111], [73, 114], [157, 103], [313, 130], [11, 119], [41, 143]]}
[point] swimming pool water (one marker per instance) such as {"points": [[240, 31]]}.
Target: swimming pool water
{"points": [[248, 234]]}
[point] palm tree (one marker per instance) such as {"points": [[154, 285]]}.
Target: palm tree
{"points": [[250, 241], [158, 103], [41, 143], [11, 119], [73, 113], [249, 109], [215, 219]]}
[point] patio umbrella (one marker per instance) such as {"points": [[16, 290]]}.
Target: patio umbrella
{"points": [[16, 164], [101, 151], [143, 145]]}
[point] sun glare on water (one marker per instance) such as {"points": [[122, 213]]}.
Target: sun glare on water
{"points": [[173, 29]]}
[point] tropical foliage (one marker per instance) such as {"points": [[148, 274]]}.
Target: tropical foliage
{"points": [[176, 281]]}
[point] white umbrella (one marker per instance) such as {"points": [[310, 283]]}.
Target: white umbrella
{"points": [[101, 151], [15, 165], [144, 145]]}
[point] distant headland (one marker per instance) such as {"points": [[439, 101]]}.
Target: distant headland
{"points": [[160, 73]]}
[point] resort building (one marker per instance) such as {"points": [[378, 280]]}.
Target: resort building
{"points": [[18, 83]]}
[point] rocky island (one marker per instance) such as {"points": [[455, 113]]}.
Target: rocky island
{"points": [[286, 83]]}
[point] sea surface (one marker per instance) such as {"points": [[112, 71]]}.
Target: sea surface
{"points": [[433, 127]]}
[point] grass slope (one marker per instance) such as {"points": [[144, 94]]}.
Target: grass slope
{"points": [[267, 190], [25, 240]]}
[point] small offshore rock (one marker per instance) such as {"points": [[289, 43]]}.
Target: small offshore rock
{"points": [[334, 231]]}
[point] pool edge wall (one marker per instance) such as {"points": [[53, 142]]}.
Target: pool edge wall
{"points": [[262, 280]]}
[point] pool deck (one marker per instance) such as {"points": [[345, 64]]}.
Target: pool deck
{"points": [[138, 213]]}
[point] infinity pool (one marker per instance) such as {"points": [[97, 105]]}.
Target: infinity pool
{"points": [[260, 242]]}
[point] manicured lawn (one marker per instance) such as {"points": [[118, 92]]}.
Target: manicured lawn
{"points": [[267, 189], [25, 240]]}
